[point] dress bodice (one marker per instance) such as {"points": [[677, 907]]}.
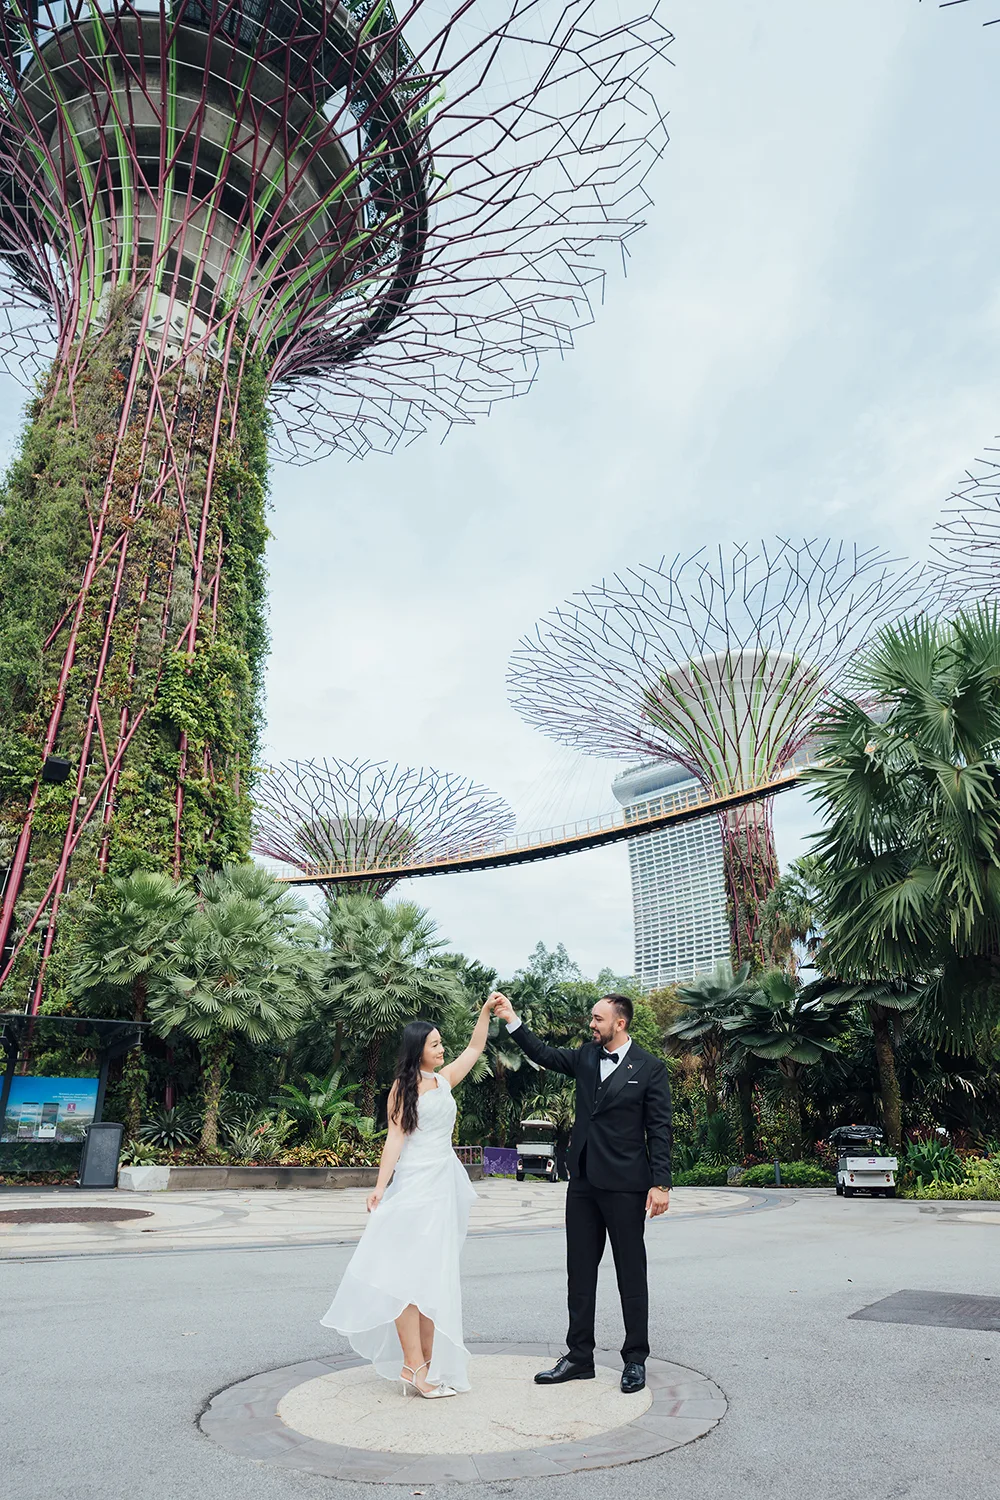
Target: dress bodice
{"points": [[431, 1141]]}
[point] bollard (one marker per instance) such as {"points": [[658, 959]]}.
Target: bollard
{"points": [[777, 1172]]}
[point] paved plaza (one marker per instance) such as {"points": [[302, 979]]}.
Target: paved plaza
{"points": [[262, 1217], [118, 1345]]}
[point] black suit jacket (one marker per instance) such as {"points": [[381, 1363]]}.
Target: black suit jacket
{"points": [[625, 1125]]}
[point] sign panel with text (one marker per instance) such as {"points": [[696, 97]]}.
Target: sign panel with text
{"points": [[49, 1109]]}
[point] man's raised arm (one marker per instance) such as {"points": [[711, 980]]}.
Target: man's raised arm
{"points": [[559, 1059]]}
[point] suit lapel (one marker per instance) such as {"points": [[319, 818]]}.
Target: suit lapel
{"points": [[626, 1072], [594, 1079]]}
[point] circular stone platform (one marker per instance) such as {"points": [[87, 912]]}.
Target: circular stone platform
{"points": [[337, 1418]]}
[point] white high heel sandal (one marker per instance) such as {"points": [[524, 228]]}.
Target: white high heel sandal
{"points": [[434, 1394]]}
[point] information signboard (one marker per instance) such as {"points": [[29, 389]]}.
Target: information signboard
{"points": [[49, 1109]]}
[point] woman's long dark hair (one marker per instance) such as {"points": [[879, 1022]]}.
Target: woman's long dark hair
{"points": [[411, 1050]]}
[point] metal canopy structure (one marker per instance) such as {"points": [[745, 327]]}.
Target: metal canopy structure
{"points": [[719, 662], [374, 220], [370, 815], [552, 843]]}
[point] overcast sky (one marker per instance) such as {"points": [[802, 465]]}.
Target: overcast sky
{"points": [[806, 343]]}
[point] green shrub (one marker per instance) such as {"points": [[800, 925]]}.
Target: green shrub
{"points": [[702, 1175], [981, 1179], [793, 1174], [932, 1161]]}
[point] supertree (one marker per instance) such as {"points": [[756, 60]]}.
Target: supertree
{"points": [[965, 546], [349, 223], [321, 815], [719, 662]]}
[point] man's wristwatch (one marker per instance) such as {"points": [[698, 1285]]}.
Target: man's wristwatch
{"points": [[662, 1187]]}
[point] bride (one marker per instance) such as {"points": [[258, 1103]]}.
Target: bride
{"points": [[400, 1301]]}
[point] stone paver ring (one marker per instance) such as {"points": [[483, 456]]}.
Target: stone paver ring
{"points": [[336, 1417]]}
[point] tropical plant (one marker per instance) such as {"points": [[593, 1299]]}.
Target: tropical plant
{"points": [[136, 1153], [243, 967], [324, 1106], [170, 1127], [123, 953], [792, 1027], [932, 1161], [708, 1002], [261, 1138], [908, 862], [383, 968]]}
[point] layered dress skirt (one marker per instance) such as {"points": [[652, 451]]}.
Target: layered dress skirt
{"points": [[409, 1252]]}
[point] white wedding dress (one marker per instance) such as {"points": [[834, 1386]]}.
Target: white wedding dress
{"points": [[409, 1252]]}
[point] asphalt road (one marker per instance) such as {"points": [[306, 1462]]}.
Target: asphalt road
{"points": [[107, 1360]]}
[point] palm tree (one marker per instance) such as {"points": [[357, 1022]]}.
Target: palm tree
{"points": [[886, 1003], [793, 1027], [708, 1001], [243, 966], [383, 968], [123, 954], [908, 862], [790, 915]]}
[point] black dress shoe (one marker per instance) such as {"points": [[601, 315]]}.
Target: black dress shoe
{"points": [[565, 1369], [633, 1379]]}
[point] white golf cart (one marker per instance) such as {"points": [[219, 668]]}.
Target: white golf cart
{"points": [[536, 1151], [861, 1168]]}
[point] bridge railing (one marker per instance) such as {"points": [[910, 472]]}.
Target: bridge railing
{"points": [[653, 810]]}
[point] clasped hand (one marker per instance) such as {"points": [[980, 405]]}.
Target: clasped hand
{"points": [[501, 1006]]}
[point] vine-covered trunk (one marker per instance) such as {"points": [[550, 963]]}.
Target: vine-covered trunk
{"points": [[748, 1120], [751, 870], [135, 1066], [214, 1060], [892, 1103], [793, 1109], [131, 631], [710, 1083]]}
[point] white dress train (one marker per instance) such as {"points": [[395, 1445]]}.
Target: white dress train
{"points": [[410, 1250]]}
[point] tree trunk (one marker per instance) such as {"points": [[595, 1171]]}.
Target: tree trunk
{"points": [[500, 1102], [793, 1111], [892, 1104], [709, 1079], [369, 1084], [214, 1077], [748, 1122]]}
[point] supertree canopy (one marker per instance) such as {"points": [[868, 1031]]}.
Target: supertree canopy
{"points": [[966, 540], [719, 662], [334, 815], [331, 220]]}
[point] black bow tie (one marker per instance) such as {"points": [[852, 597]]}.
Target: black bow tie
{"points": [[607, 1056]]}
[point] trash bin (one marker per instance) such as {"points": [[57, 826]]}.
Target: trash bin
{"points": [[99, 1159]]}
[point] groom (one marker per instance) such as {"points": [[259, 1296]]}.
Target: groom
{"points": [[619, 1166]]}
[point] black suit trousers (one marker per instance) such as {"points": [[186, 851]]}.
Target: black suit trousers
{"points": [[592, 1218]]}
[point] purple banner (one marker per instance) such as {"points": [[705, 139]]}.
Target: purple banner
{"points": [[499, 1160]]}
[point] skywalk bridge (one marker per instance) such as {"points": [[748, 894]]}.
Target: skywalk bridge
{"points": [[569, 838]]}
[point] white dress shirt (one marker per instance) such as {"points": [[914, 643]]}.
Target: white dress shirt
{"points": [[607, 1066]]}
